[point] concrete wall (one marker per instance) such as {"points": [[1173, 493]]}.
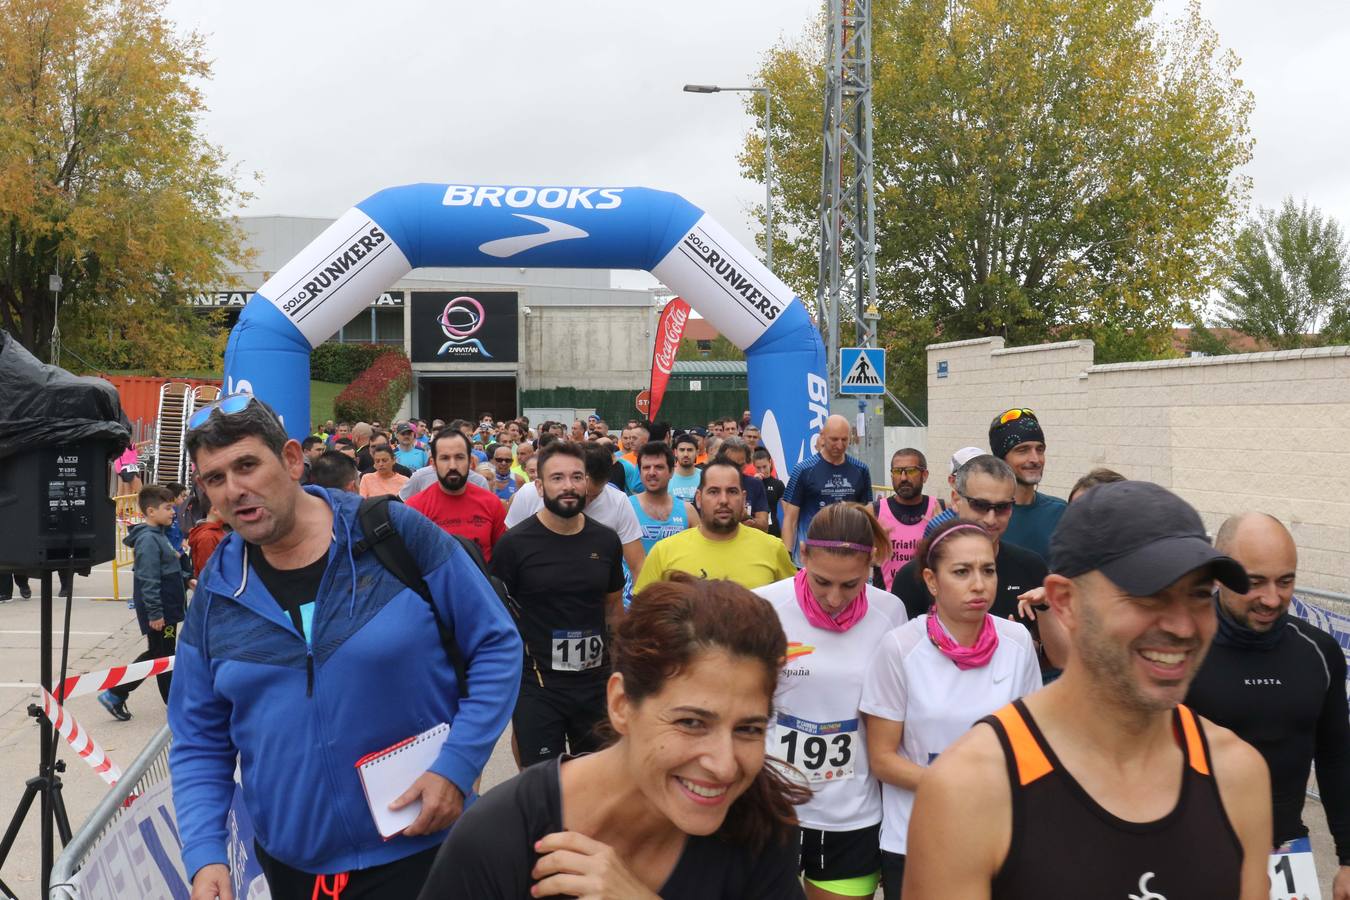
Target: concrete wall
{"points": [[587, 347], [1254, 431]]}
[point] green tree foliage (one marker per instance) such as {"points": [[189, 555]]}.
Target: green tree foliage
{"points": [[342, 363], [1289, 284], [721, 349], [105, 180], [1044, 169]]}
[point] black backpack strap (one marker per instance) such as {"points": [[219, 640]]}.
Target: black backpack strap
{"points": [[498, 586], [470, 547], [383, 538]]}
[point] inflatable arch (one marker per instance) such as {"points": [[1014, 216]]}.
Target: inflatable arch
{"points": [[401, 228]]}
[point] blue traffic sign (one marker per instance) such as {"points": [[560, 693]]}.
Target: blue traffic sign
{"points": [[862, 370]]}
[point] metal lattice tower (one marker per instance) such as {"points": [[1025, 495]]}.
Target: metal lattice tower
{"points": [[847, 284], [847, 280]]}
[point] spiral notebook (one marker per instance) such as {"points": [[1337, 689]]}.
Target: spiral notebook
{"points": [[386, 774]]}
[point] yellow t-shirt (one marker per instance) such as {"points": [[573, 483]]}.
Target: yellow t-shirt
{"points": [[752, 558]]}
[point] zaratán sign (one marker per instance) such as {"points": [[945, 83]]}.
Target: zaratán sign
{"points": [[398, 229]]}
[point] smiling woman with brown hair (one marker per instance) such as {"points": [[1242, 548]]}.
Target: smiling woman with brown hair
{"points": [[683, 803]]}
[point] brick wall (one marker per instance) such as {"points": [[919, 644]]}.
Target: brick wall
{"points": [[1254, 431]]}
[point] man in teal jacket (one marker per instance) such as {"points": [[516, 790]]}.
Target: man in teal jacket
{"points": [[300, 655]]}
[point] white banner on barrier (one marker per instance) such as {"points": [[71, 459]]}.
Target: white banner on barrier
{"points": [[141, 857]]}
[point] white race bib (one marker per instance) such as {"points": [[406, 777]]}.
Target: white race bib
{"points": [[822, 751], [1293, 875], [577, 651]]}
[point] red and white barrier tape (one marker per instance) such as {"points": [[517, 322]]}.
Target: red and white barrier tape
{"points": [[84, 745], [97, 682]]}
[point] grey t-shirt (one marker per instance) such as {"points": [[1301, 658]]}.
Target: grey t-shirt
{"points": [[425, 477]]}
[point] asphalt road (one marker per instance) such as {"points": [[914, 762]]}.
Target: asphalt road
{"points": [[103, 634]]}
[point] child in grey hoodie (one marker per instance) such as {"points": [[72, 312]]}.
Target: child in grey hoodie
{"points": [[160, 595]]}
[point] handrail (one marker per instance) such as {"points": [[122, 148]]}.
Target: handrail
{"points": [[1324, 595]]}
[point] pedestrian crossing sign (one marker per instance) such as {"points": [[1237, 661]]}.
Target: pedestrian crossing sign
{"points": [[863, 370]]}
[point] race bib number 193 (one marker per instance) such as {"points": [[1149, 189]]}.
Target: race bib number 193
{"points": [[1293, 876], [822, 751], [577, 651]]}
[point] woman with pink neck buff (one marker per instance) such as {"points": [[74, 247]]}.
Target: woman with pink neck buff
{"points": [[834, 620], [935, 676]]}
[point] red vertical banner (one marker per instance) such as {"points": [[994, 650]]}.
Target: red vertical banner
{"points": [[669, 330]]}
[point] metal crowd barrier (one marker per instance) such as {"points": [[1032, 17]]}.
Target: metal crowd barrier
{"points": [[150, 767], [128, 513]]}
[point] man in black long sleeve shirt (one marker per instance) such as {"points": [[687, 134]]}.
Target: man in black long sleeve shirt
{"points": [[1279, 683]]}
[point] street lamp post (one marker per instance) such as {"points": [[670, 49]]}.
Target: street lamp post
{"points": [[768, 154]]}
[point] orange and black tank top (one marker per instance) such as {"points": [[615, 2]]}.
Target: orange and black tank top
{"points": [[1065, 845]]}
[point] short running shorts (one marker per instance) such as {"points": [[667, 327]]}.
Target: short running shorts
{"points": [[563, 717], [842, 862]]}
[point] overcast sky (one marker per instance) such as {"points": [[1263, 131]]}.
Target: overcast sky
{"points": [[331, 101]]}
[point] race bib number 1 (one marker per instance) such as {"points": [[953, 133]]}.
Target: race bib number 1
{"points": [[1293, 875], [577, 651], [822, 751]]}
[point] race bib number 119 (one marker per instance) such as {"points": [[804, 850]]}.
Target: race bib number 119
{"points": [[577, 651], [1293, 875]]}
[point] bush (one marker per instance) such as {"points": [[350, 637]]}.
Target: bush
{"points": [[376, 394], [342, 363]]}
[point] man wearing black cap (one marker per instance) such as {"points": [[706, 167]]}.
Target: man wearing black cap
{"points": [[1015, 437], [407, 453], [1279, 683], [1102, 784]]}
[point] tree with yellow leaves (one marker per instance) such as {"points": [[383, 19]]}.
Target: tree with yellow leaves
{"points": [[106, 182]]}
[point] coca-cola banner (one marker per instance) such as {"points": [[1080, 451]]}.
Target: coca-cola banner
{"points": [[669, 330]]}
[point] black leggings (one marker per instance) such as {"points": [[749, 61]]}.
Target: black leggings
{"points": [[402, 878], [158, 643], [892, 874]]}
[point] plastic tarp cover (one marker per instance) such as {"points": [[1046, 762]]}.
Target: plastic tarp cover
{"points": [[46, 406]]}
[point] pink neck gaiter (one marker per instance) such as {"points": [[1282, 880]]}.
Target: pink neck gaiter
{"points": [[815, 613], [964, 657]]}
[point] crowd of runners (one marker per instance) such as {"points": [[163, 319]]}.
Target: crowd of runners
{"points": [[725, 680]]}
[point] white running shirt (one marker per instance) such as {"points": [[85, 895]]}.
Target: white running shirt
{"points": [[816, 725], [910, 681], [610, 509]]}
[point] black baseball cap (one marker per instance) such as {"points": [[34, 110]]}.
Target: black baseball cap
{"points": [[1141, 536], [405, 428]]}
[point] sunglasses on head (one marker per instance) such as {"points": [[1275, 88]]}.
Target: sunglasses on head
{"points": [[1013, 415], [983, 507], [228, 405]]}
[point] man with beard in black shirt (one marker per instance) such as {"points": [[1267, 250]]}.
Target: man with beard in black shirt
{"points": [[564, 573], [1279, 682], [983, 495]]}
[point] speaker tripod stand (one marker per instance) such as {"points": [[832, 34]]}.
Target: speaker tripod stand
{"points": [[44, 787]]}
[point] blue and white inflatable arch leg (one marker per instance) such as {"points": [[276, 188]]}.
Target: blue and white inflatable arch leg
{"points": [[399, 229]]}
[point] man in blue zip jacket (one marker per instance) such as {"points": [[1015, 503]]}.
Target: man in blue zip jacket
{"points": [[301, 655]]}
